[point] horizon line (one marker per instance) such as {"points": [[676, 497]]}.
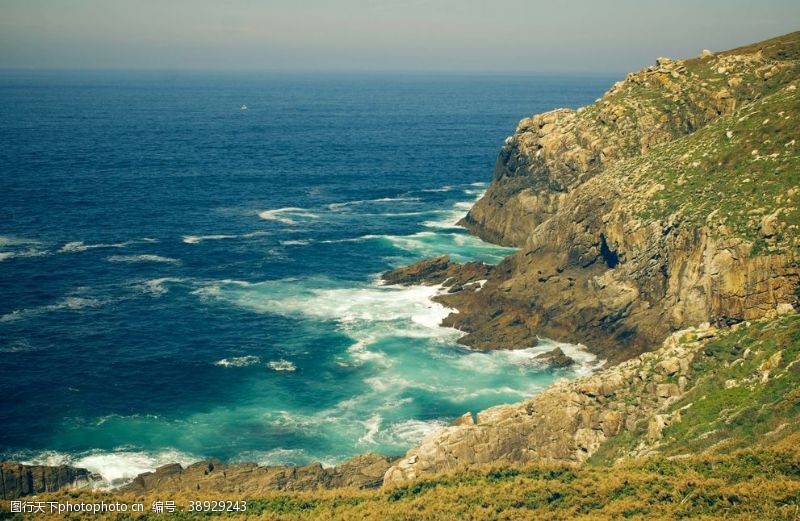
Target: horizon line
{"points": [[486, 72]]}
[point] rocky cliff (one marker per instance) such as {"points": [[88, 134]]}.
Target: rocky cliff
{"points": [[658, 226], [705, 389], [361, 472], [18, 480], [671, 201]]}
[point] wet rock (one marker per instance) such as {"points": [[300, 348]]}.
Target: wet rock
{"points": [[555, 359]]}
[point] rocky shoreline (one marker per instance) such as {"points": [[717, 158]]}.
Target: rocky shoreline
{"points": [[640, 234]]}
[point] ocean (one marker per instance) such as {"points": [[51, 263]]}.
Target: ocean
{"points": [[189, 262]]}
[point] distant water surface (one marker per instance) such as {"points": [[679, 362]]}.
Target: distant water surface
{"points": [[181, 278]]}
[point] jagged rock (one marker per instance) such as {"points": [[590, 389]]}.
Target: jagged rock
{"points": [[17, 480], [568, 422], [590, 267], [365, 471], [438, 270], [464, 419], [555, 359]]}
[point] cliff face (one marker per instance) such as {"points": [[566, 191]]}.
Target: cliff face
{"points": [[361, 472], [704, 390], [18, 480], [669, 202], [672, 201]]}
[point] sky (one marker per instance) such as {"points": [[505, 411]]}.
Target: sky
{"points": [[590, 36]]}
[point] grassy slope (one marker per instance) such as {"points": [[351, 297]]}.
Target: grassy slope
{"points": [[731, 173], [751, 484]]}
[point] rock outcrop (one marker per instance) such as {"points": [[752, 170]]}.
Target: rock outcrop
{"points": [[669, 202], [361, 472], [17, 480], [642, 397], [555, 359]]}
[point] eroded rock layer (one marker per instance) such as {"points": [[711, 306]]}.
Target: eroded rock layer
{"points": [[671, 201]]}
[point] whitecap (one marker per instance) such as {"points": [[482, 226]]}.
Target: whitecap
{"points": [[410, 432], [282, 365], [80, 246], [274, 457], [18, 247], [71, 303], [6, 240], [360, 238], [115, 467], [445, 188], [143, 258], [450, 220], [296, 242], [460, 246], [458, 212], [288, 215], [373, 426], [360, 352], [197, 239], [498, 361], [402, 199], [238, 361], [158, 287]]}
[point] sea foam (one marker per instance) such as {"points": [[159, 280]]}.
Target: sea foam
{"points": [[288, 215], [115, 467], [143, 258]]}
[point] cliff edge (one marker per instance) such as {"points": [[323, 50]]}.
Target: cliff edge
{"points": [[669, 202], [668, 209]]}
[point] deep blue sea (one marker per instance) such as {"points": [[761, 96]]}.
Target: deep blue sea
{"points": [[181, 277]]}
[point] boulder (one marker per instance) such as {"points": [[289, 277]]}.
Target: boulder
{"points": [[555, 359]]}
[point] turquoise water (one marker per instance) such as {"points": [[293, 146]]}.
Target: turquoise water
{"points": [[184, 279]]}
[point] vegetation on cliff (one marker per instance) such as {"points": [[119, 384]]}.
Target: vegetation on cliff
{"points": [[665, 214], [672, 201]]}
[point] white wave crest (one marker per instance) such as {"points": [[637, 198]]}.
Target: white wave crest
{"points": [[274, 457], [239, 361], [411, 432], [19, 247], [158, 287], [71, 303], [197, 239], [288, 215], [143, 258], [373, 426], [116, 467], [282, 365], [338, 206], [79, 246]]}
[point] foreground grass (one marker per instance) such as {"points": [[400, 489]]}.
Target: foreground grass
{"points": [[749, 484]]}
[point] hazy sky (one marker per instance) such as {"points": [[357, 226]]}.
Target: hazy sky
{"points": [[499, 35]]}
